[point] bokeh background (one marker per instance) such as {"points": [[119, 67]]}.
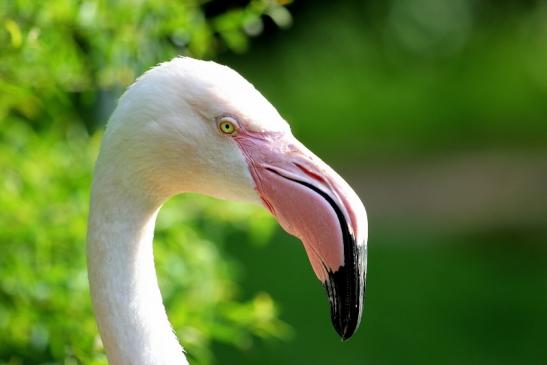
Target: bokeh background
{"points": [[434, 110]]}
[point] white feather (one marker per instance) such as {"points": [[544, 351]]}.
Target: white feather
{"points": [[161, 140]]}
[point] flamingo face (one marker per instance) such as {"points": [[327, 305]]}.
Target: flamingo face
{"points": [[313, 203], [203, 128]]}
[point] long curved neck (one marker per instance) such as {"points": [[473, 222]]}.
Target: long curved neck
{"points": [[126, 297]]}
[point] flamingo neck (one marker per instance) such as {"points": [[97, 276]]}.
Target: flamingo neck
{"points": [[126, 298]]}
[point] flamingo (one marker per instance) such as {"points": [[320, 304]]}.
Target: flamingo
{"points": [[188, 125]]}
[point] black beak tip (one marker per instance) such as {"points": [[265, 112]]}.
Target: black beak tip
{"points": [[345, 328], [344, 333], [346, 290], [345, 305]]}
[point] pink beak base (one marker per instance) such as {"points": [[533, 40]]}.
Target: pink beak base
{"points": [[313, 203]]}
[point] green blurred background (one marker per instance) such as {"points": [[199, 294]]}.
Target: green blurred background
{"points": [[434, 110]]}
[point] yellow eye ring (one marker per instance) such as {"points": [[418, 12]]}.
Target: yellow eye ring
{"points": [[227, 126]]}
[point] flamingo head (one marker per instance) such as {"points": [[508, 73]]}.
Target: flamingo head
{"points": [[196, 126]]}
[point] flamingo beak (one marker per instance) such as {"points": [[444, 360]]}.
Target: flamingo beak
{"points": [[312, 202]]}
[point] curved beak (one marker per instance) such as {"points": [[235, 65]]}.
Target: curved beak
{"points": [[312, 202]]}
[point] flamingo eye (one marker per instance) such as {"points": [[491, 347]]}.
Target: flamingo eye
{"points": [[227, 125]]}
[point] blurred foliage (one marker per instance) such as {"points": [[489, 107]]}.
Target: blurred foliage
{"points": [[57, 55], [61, 65]]}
